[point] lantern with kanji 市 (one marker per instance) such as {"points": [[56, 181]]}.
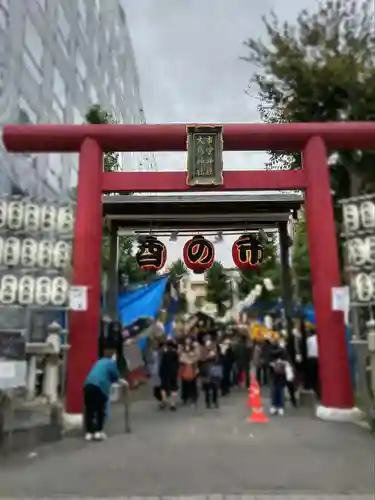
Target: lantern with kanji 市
{"points": [[247, 252], [199, 254], [151, 254]]}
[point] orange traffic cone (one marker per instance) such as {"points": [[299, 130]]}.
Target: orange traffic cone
{"points": [[255, 403]]}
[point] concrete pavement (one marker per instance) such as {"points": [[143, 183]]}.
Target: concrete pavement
{"points": [[202, 452]]}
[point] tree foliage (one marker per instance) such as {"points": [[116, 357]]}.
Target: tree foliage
{"points": [[177, 270], [320, 68], [128, 266], [218, 289], [270, 268], [301, 263]]}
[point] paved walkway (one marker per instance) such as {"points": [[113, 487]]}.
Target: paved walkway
{"points": [[202, 452]]}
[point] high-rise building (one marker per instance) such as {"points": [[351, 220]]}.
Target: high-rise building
{"points": [[57, 58]]}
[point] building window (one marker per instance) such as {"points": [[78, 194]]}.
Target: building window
{"points": [[2, 78], [93, 96], [58, 110], [33, 43], [33, 69], [25, 113], [4, 16], [78, 119], [82, 13], [122, 15], [81, 69], [59, 87], [63, 29], [42, 4]]}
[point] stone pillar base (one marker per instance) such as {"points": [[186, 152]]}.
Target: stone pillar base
{"points": [[339, 414]]}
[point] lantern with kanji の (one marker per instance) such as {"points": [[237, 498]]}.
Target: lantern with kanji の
{"points": [[199, 254], [151, 254]]}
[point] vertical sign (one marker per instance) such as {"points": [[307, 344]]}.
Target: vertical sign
{"points": [[205, 155]]}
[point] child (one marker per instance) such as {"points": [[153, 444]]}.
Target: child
{"points": [[96, 394]]}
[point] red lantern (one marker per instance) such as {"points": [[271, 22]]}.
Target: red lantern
{"points": [[151, 254], [247, 252], [199, 254]]}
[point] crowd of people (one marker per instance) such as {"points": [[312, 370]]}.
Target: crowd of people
{"points": [[213, 363]]}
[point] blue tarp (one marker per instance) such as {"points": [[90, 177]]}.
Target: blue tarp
{"points": [[141, 302]]}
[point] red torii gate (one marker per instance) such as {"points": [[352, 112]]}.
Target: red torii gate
{"points": [[91, 141]]}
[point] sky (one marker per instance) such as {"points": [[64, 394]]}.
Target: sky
{"points": [[188, 56]]}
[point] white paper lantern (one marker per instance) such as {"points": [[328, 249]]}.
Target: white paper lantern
{"points": [[371, 249], [32, 217], [61, 254], [1, 249], [11, 251], [42, 291], [59, 291], [364, 288], [358, 252], [26, 290], [65, 220], [15, 215], [29, 252], [3, 214], [351, 217], [48, 218], [45, 254], [8, 290], [367, 213]]}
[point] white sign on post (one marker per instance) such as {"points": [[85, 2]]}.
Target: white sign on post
{"points": [[341, 301], [78, 298]]}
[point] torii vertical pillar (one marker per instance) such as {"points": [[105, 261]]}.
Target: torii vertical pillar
{"points": [[337, 395], [84, 326]]}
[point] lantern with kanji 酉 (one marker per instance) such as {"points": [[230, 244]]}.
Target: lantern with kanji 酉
{"points": [[247, 252], [199, 254], [151, 254]]}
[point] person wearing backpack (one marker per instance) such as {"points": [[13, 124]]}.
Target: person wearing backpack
{"points": [[189, 356], [278, 369]]}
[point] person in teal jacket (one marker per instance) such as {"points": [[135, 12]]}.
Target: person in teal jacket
{"points": [[96, 393]]}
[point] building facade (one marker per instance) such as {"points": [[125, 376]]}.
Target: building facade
{"points": [[58, 58]]}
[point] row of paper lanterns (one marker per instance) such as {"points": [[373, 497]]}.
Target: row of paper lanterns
{"points": [[199, 253]]}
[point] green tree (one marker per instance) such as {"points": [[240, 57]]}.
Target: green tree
{"points": [[218, 290], [301, 263], [128, 266], [270, 269], [177, 270], [320, 68]]}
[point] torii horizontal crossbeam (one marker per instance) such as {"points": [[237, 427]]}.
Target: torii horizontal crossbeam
{"points": [[172, 137]]}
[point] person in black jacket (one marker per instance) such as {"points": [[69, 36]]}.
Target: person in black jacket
{"points": [[168, 373], [227, 359]]}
